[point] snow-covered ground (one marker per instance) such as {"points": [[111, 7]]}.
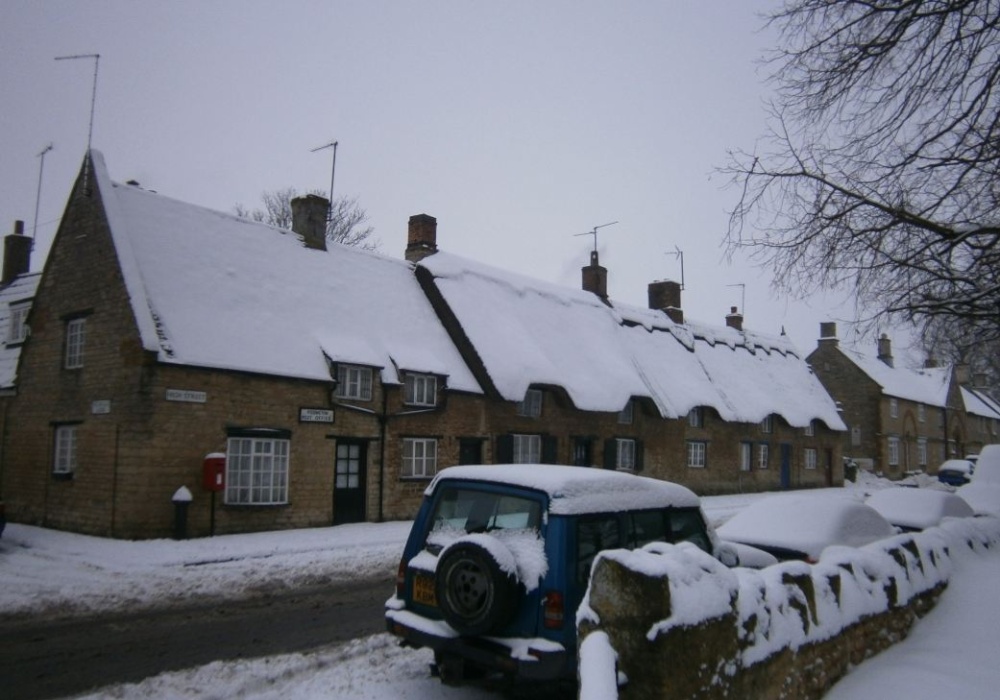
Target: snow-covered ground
{"points": [[43, 571]]}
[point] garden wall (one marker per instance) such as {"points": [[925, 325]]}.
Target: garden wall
{"points": [[670, 621]]}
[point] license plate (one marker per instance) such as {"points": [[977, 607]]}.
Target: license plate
{"points": [[423, 590]]}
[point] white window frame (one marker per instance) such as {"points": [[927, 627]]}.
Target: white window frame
{"points": [[420, 389], [922, 451], [893, 448], [531, 405], [746, 456], [419, 458], [921, 413], [257, 471], [354, 382], [810, 429], [767, 425], [18, 323], [627, 414], [810, 458], [696, 417], [763, 455], [64, 451], [625, 449], [894, 408], [526, 449], [76, 334], [697, 454]]}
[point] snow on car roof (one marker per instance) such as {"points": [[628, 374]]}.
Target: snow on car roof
{"points": [[573, 490], [918, 508], [806, 524]]}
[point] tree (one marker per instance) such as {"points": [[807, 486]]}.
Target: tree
{"points": [[347, 224], [880, 170]]}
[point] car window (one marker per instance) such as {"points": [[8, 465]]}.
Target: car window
{"points": [[465, 511], [649, 526], [594, 534], [687, 525]]}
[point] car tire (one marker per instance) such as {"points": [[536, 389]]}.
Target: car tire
{"points": [[474, 594]]}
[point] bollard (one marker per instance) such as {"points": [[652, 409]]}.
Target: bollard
{"points": [[181, 500]]}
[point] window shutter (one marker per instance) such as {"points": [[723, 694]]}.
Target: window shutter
{"points": [[550, 445], [610, 453], [505, 449], [640, 462]]}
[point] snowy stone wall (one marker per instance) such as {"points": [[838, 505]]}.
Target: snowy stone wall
{"points": [[671, 621]]}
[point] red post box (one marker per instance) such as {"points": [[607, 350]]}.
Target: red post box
{"points": [[213, 476]]}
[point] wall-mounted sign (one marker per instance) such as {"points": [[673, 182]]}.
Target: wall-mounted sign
{"points": [[315, 415], [100, 407], [186, 396]]}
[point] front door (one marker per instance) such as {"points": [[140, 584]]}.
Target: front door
{"points": [[349, 482], [786, 466]]}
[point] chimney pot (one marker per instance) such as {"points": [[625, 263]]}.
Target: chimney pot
{"points": [[309, 218], [421, 239], [734, 320], [16, 254]]}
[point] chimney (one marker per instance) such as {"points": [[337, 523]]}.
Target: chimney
{"points": [[828, 334], [885, 350], [595, 277], [665, 296], [421, 239], [980, 380], [16, 254], [309, 216], [734, 319]]}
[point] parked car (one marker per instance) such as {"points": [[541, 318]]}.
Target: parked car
{"points": [[802, 526], [499, 558], [918, 509], [983, 491], [956, 472]]}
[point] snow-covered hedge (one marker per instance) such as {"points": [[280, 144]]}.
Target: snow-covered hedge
{"points": [[672, 621]]}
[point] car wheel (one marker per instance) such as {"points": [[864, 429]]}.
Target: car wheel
{"points": [[475, 595]]}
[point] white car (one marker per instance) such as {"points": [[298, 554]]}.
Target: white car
{"points": [[918, 509], [983, 492]]}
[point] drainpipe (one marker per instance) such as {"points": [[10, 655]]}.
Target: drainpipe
{"points": [[383, 422]]}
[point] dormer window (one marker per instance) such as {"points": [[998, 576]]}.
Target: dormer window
{"points": [[625, 416], [531, 405], [354, 382], [767, 425], [893, 408], [18, 323], [420, 390], [810, 429], [696, 417]]}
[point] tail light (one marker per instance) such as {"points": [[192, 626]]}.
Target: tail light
{"points": [[400, 578], [554, 610]]}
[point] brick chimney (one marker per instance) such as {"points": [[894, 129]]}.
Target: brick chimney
{"points": [[828, 334], [734, 319], [309, 217], [421, 239], [885, 350], [16, 254], [665, 296], [595, 277]]}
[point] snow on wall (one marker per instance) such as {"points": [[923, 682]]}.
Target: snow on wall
{"points": [[783, 607]]}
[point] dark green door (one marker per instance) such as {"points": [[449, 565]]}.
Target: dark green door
{"points": [[349, 482]]}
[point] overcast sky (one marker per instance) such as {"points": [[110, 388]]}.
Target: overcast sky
{"points": [[516, 124]]}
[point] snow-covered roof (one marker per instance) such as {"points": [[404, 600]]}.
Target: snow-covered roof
{"points": [[928, 386], [529, 332], [213, 290], [574, 490], [21, 289], [979, 404]]}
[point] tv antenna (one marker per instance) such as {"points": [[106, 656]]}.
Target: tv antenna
{"points": [[593, 232], [38, 195], [333, 170], [93, 101], [743, 296], [679, 254]]}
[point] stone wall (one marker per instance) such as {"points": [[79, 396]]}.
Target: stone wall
{"points": [[671, 622]]}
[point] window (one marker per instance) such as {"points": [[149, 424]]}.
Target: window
{"points": [[75, 332], [420, 390], [64, 456], [419, 458], [626, 414], [763, 455], [18, 323], [746, 456], [527, 449], [856, 436], [256, 471], [696, 417], [767, 425], [626, 454], [696, 454], [893, 408], [922, 452], [810, 458], [354, 382], [921, 413], [893, 451], [810, 430], [531, 405]]}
